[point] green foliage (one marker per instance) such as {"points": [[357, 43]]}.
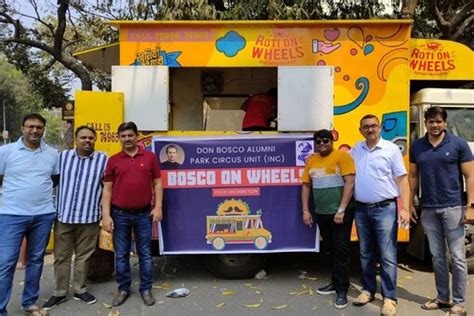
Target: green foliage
{"points": [[54, 127], [18, 96]]}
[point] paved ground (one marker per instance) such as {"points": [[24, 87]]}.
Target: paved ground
{"points": [[289, 289]]}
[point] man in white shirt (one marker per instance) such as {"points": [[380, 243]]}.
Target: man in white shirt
{"points": [[380, 179]]}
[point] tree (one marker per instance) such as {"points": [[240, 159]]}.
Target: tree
{"points": [[35, 49], [18, 96], [54, 127]]}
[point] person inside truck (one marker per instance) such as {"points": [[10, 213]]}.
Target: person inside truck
{"points": [[439, 160], [172, 158], [330, 174], [260, 110]]}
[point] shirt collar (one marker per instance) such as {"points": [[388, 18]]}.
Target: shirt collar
{"points": [[139, 152], [380, 144], [21, 145], [91, 156], [447, 138]]}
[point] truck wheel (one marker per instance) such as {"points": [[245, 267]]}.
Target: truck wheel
{"points": [[218, 243], [402, 145], [470, 264], [101, 266], [235, 266], [260, 243]]}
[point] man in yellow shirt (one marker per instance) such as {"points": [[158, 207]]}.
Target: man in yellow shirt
{"points": [[330, 174]]}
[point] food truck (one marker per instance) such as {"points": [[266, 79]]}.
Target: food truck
{"points": [[184, 82]]}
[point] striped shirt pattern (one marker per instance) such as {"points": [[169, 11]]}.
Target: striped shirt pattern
{"points": [[80, 187]]}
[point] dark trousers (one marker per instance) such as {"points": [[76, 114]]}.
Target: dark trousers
{"points": [[337, 239]]}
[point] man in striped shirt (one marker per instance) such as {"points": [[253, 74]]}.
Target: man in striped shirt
{"points": [[78, 206]]}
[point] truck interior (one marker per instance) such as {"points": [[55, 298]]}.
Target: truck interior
{"points": [[210, 99]]}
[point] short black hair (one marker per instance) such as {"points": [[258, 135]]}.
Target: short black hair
{"points": [[126, 126], [80, 128], [170, 146], [33, 116], [323, 133], [368, 116], [434, 111]]}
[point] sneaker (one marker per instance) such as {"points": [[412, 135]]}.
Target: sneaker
{"points": [[389, 307], [341, 300], [326, 290], [364, 298], [53, 302], [457, 310], [85, 298]]}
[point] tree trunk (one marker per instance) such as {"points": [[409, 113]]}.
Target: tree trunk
{"points": [[408, 8]]}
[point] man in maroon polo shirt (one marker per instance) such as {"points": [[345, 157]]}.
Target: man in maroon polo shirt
{"points": [[131, 181]]}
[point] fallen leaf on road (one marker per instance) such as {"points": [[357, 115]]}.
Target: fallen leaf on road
{"points": [[160, 302], [220, 305], [315, 307], [258, 292], [114, 313], [228, 292], [280, 306], [248, 284], [253, 305], [108, 306]]}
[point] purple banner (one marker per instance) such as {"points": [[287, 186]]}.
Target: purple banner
{"points": [[236, 194]]}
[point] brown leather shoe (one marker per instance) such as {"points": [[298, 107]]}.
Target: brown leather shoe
{"points": [[148, 298], [120, 298]]}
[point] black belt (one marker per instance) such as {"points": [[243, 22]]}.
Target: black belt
{"points": [[139, 210], [383, 203]]}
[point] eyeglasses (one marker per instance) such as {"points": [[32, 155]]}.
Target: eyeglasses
{"points": [[367, 127], [320, 141], [38, 127]]}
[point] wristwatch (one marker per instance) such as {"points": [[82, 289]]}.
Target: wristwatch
{"points": [[341, 210]]}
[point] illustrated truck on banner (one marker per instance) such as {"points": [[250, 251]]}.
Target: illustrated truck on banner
{"points": [[185, 83]]}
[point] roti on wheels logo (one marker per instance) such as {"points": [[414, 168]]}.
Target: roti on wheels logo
{"points": [[432, 58]]}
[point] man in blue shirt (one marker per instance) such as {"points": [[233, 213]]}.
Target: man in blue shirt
{"points": [[439, 160], [77, 227], [28, 169]]}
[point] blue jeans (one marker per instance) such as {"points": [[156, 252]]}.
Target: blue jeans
{"points": [[14, 228], [122, 236], [377, 228], [444, 226]]}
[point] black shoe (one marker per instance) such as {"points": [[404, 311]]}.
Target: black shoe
{"points": [[120, 298], [326, 290], [85, 298], [341, 300], [53, 302], [148, 298]]}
